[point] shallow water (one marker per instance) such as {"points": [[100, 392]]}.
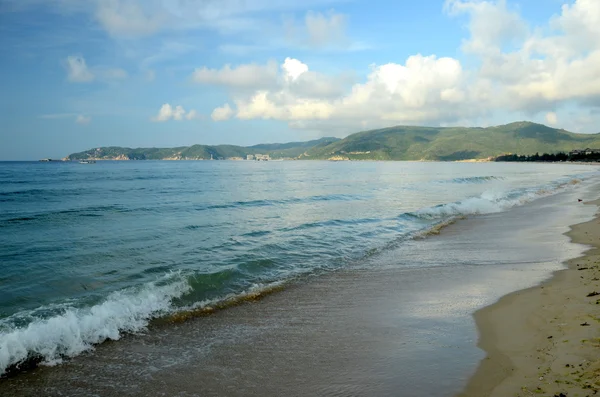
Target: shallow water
{"points": [[92, 251]]}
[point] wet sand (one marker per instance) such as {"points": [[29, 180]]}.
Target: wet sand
{"points": [[545, 340]]}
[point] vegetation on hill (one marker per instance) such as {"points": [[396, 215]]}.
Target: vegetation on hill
{"points": [[200, 152], [454, 143], [394, 143]]}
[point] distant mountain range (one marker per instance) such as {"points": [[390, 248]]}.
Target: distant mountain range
{"points": [[394, 143]]}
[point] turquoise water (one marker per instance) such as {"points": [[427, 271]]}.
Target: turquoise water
{"points": [[89, 252]]}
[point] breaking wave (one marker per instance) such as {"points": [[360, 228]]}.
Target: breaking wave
{"points": [[77, 330], [491, 202]]}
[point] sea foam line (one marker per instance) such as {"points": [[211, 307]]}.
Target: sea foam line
{"points": [[490, 202]]}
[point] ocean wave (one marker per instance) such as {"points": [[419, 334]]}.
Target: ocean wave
{"points": [[77, 330], [332, 223], [473, 179], [73, 330], [491, 201], [37, 194], [91, 211], [265, 203]]}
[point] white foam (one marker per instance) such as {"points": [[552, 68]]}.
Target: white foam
{"points": [[491, 201], [78, 330]]}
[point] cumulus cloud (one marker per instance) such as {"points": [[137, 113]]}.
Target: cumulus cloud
{"points": [[492, 24], [82, 120], [293, 69], [521, 70], [177, 113], [543, 70], [421, 89], [77, 70], [222, 113]]}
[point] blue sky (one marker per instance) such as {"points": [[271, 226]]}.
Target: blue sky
{"points": [[78, 74]]}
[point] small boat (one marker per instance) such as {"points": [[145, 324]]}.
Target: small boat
{"points": [[87, 162]]}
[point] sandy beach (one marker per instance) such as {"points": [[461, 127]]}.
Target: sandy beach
{"points": [[545, 340]]}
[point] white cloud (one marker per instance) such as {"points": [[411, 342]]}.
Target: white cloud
{"points": [[424, 88], [519, 71], [193, 115], [177, 113], [82, 120], [293, 68], [222, 113], [551, 118], [242, 76], [491, 24], [77, 70], [292, 75], [580, 23], [542, 71]]}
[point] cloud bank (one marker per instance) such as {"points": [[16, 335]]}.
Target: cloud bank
{"points": [[520, 69]]}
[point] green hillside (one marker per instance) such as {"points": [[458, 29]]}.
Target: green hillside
{"points": [[394, 143], [200, 152], [453, 143]]}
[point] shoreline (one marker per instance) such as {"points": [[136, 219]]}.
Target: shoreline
{"points": [[544, 340], [374, 329]]}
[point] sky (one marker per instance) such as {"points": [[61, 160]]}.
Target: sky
{"points": [[79, 74]]}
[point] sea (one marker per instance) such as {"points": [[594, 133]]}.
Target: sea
{"points": [[268, 278]]}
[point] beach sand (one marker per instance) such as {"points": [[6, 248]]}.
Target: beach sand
{"points": [[545, 340]]}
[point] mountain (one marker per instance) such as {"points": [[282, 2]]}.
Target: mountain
{"points": [[200, 152], [394, 143], [453, 143]]}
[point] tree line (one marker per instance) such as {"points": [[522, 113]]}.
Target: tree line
{"points": [[551, 157]]}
